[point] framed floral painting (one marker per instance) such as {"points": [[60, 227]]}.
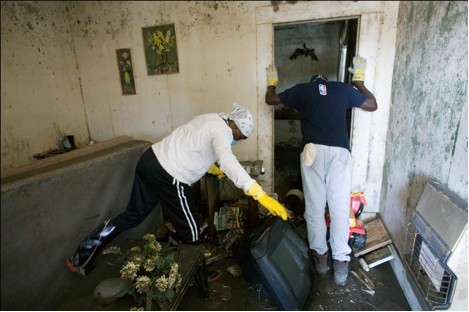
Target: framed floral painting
{"points": [[126, 72], [160, 49]]}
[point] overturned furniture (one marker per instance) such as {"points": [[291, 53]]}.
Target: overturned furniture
{"points": [[274, 259]]}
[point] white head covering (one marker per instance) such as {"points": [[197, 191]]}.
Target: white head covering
{"points": [[242, 118]]}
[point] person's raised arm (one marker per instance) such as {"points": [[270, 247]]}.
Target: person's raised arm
{"points": [[358, 81], [370, 104], [271, 97]]}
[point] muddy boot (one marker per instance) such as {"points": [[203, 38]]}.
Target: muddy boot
{"points": [[340, 272], [81, 261], [320, 263]]}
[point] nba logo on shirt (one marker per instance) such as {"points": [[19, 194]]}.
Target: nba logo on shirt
{"points": [[322, 89]]}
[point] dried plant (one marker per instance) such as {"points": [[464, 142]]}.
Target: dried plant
{"points": [[153, 273]]}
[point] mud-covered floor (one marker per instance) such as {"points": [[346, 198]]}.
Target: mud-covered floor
{"points": [[234, 293], [230, 293]]}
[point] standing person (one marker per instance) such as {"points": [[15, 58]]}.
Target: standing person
{"points": [[164, 175], [325, 160]]}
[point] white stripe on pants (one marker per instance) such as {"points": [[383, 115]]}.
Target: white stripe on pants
{"points": [[187, 211], [328, 180]]}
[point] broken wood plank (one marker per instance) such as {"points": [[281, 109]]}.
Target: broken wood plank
{"points": [[368, 285], [367, 280]]}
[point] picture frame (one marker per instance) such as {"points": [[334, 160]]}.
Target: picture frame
{"points": [[160, 44], [126, 72]]}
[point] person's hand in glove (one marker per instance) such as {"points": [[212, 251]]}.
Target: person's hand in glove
{"points": [[272, 77], [359, 67], [274, 207], [214, 170]]}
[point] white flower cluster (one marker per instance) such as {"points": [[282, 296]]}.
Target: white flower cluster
{"points": [[153, 274]]}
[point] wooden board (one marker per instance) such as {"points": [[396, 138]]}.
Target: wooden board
{"points": [[366, 279], [376, 237]]}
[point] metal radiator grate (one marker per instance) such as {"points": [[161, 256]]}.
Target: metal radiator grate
{"points": [[433, 277]]}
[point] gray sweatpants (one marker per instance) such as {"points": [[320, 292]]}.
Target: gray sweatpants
{"points": [[328, 180]]}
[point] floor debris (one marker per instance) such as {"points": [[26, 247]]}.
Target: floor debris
{"points": [[365, 279], [215, 259], [235, 270], [371, 292]]}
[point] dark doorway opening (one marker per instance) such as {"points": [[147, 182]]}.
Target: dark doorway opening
{"points": [[301, 51]]}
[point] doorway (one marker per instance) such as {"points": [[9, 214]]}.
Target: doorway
{"points": [[302, 50]]}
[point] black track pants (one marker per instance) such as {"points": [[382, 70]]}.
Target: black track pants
{"points": [[153, 185]]}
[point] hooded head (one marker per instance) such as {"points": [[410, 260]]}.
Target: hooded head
{"points": [[242, 118]]}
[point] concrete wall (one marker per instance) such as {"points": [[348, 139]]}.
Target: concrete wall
{"points": [[48, 208], [41, 94], [60, 74], [427, 137]]}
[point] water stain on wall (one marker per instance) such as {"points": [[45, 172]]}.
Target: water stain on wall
{"points": [[428, 96]]}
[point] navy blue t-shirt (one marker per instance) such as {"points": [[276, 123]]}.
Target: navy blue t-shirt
{"points": [[323, 106]]}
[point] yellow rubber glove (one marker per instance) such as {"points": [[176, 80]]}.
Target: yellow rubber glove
{"points": [[358, 70], [274, 207], [214, 170], [272, 77]]}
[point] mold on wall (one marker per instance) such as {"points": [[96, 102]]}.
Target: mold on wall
{"points": [[63, 78], [60, 76], [427, 136], [216, 51], [41, 94]]}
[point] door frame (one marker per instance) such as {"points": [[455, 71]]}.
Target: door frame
{"points": [[376, 42]]}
